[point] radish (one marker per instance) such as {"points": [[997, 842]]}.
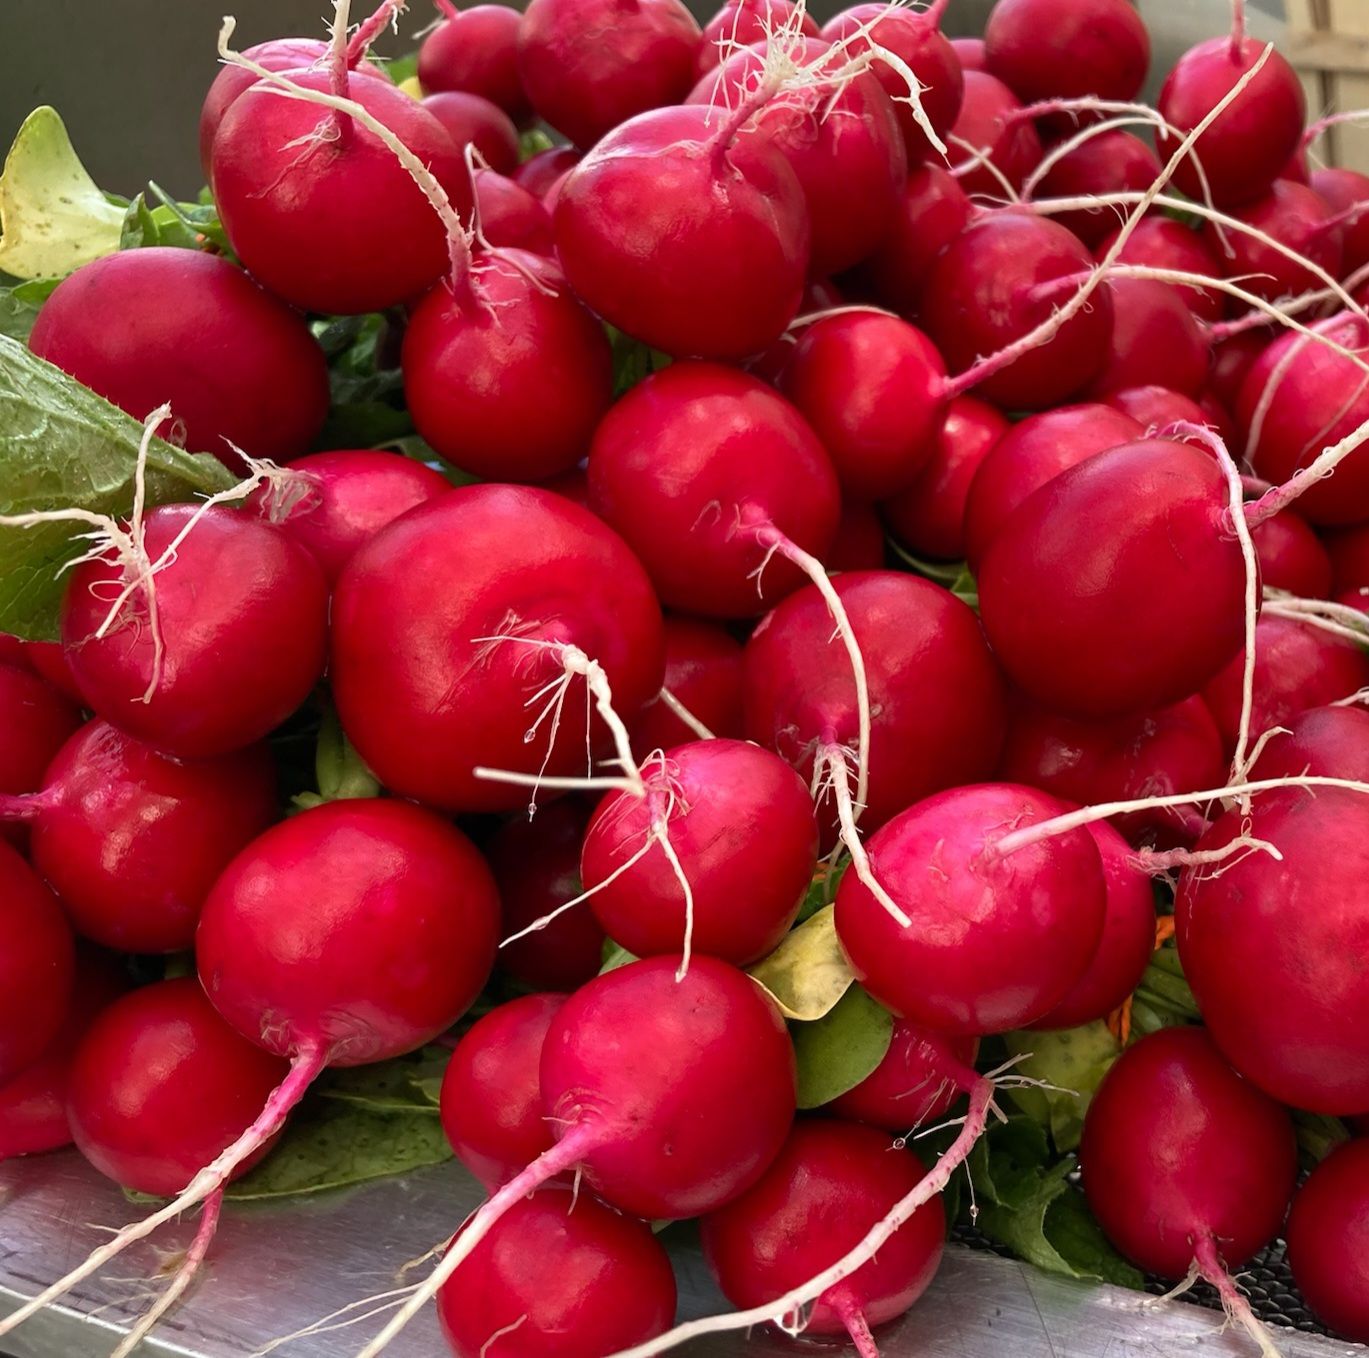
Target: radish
{"points": [[1328, 1249], [538, 173], [473, 121], [832, 1183], [510, 216], [1328, 741], [1346, 192], [476, 50], [351, 495], [1163, 243], [1113, 161], [145, 326], [536, 866], [132, 841], [1187, 1168], [1349, 552], [1233, 356], [584, 86], [929, 517], [971, 54], [1156, 408], [1295, 216], [491, 1101], [917, 1081], [1156, 341], [559, 1273], [1292, 557], [742, 23], [728, 818], [703, 675], [991, 145], [46, 658], [859, 543], [457, 623], [35, 720]]}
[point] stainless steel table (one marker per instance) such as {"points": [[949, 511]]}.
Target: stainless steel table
{"points": [[275, 1269]]}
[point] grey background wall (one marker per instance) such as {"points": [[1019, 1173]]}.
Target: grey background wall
{"points": [[128, 75]]}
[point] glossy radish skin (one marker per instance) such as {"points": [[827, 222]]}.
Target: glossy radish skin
{"points": [[160, 324], [320, 227], [872, 387], [1086, 592], [1292, 556], [1295, 216], [585, 86], [427, 697], [918, 1080], [471, 120], [1346, 192], [559, 1273], [689, 1082], [832, 1183], [996, 942], [1155, 341], [539, 173], [990, 121], [740, 23], [929, 517], [694, 244], [35, 721], [476, 51], [1034, 451], [491, 1102], [243, 616], [1163, 243], [1272, 950], [935, 692], [132, 841], [1109, 162], [1154, 408], [693, 466], [1328, 1240], [536, 866], [1178, 1149], [160, 1085], [1252, 139], [363, 927], [703, 669], [512, 217], [982, 295], [1332, 742], [742, 826], [510, 385]]}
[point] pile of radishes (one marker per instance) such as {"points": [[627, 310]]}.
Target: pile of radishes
{"points": [[648, 695]]}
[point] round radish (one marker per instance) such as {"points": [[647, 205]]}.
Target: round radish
{"points": [[1328, 1243], [991, 127], [1154, 408], [473, 121], [1232, 359], [1292, 556], [476, 50], [1347, 194], [1109, 162], [971, 54], [1296, 217], [35, 720], [1329, 742], [539, 173], [47, 659], [741, 23], [1162, 243], [510, 216], [703, 671], [1156, 341], [917, 1081]]}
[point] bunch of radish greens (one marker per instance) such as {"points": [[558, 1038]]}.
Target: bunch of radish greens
{"points": [[762, 625]]}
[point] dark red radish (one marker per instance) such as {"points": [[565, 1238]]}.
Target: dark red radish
{"points": [[161, 1085], [450, 621], [560, 1273], [859, 543], [1355, 598], [991, 127], [700, 468], [491, 1101], [1030, 454], [1232, 358], [314, 201], [1296, 217], [740, 23], [585, 86], [159, 324], [1218, 418], [1349, 552], [1108, 162], [13, 651], [1247, 145], [873, 389], [703, 672], [929, 517], [832, 1183], [1330, 742], [473, 121], [916, 1082], [1292, 556], [476, 50], [984, 293], [1173, 749], [241, 616], [510, 216], [1346, 192], [1328, 1240], [1273, 950], [971, 54], [1087, 592], [685, 236], [538, 173], [1160, 242], [35, 721], [1155, 408], [1156, 341], [46, 658]]}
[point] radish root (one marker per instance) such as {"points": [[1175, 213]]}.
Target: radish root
{"points": [[835, 761], [1234, 1302], [685, 715]]}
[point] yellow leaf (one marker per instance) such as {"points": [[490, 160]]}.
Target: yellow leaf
{"points": [[411, 87], [808, 973]]}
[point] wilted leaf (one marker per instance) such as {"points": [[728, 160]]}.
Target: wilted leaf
{"points": [[1074, 1061], [405, 1085], [808, 973], [836, 1052]]}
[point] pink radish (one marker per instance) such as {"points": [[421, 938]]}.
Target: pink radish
{"points": [[1163, 243], [1156, 341], [971, 53], [510, 216], [859, 543], [1292, 556], [703, 674], [476, 50], [35, 720], [990, 128], [1109, 162], [1327, 741], [741, 23], [538, 173], [1327, 1242], [1155, 408], [1295, 216], [918, 1080], [473, 121], [1346, 192]]}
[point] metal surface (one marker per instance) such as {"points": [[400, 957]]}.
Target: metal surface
{"points": [[275, 1269]]}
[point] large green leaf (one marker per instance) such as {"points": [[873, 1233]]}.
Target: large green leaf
{"points": [[836, 1052]]}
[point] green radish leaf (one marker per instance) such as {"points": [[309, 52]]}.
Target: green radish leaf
{"points": [[406, 1084], [533, 142], [399, 69], [62, 446], [19, 306], [836, 1052], [184, 226], [808, 973], [1071, 1064], [615, 956], [1318, 1135], [822, 891]]}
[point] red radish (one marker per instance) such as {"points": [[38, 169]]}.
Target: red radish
{"points": [[991, 127], [314, 201], [984, 293], [159, 324], [1329, 742], [859, 543], [1217, 417], [510, 216], [491, 1099], [831, 1184], [538, 173], [559, 1273], [1292, 556], [1294, 216], [873, 389], [1162, 243], [236, 643], [1154, 408], [1355, 598], [1029, 455], [686, 236], [929, 517], [476, 50], [585, 86], [1328, 1243], [703, 672], [132, 841], [1087, 591], [917, 1081], [1247, 145], [1232, 358], [1156, 341], [1346, 192], [729, 818], [46, 658], [36, 965], [740, 23], [455, 618], [1109, 162], [1349, 552], [1174, 749], [1272, 950], [971, 54], [995, 941], [35, 720], [473, 121]]}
